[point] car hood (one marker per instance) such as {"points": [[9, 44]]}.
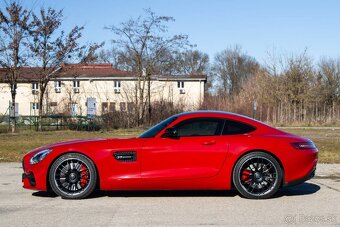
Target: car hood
{"points": [[76, 142]]}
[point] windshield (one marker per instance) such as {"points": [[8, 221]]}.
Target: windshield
{"points": [[151, 132]]}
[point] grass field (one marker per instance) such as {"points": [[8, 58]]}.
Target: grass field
{"points": [[326, 139], [13, 147]]}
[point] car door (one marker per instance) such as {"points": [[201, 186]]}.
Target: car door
{"points": [[198, 152]]}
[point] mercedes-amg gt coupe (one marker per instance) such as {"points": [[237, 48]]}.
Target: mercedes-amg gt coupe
{"points": [[202, 150]]}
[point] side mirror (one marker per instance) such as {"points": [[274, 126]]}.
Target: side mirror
{"points": [[170, 133]]}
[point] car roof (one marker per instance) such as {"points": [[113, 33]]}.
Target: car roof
{"points": [[212, 112], [223, 114]]}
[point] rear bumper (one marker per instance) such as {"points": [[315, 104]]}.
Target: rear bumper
{"points": [[309, 176]]}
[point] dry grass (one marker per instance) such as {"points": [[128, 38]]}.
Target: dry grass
{"points": [[13, 147], [326, 139]]}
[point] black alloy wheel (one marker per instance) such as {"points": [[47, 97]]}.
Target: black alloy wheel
{"points": [[73, 176], [257, 175]]}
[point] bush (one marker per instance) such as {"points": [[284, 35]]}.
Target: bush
{"points": [[118, 119], [90, 126]]}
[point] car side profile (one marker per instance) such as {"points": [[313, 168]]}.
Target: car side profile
{"points": [[201, 150]]}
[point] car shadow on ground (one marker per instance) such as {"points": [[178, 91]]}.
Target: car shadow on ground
{"points": [[48, 194], [306, 188], [299, 190], [177, 193]]}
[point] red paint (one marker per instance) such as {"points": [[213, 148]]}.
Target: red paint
{"points": [[198, 162]]}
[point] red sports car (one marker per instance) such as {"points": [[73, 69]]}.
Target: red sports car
{"points": [[190, 151]]}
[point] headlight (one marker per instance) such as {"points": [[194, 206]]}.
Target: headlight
{"points": [[39, 156]]}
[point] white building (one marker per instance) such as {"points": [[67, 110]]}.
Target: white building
{"points": [[112, 90]]}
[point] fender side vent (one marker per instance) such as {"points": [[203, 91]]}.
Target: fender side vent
{"points": [[125, 156]]}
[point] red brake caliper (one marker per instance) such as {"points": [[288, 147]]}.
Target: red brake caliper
{"points": [[83, 176], [246, 176]]}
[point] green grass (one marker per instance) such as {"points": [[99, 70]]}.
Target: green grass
{"points": [[14, 146]]}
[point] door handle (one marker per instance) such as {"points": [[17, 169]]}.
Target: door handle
{"points": [[212, 142]]}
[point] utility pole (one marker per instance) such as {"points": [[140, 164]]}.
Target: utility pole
{"points": [[254, 109]]}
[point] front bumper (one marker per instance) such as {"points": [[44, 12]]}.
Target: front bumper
{"points": [[34, 176], [28, 178]]}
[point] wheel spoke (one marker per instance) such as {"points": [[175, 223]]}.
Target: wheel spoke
{"points": [[258, 175], [72, 176]]}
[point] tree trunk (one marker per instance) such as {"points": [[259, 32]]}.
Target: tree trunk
{"points": [[41, 99], [41, 96], [13, 126], [141, 107], [149, 99]]}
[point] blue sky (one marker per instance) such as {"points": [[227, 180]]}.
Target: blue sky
{"points": [[287, 26]]}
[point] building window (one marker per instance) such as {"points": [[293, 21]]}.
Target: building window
{"points": [[73, 109], [180, 86], [116, 86], [57, 86], [52, 106], [76, 85], [105, 107], [122, 106], [108, 107], [35, 106], [130, 107], [35, 88], [112, 107]]}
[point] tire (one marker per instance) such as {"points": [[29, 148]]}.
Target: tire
{"points": [[257, 175], [73, 176]]}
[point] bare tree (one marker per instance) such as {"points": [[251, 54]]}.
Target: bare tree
{"points": [[330, 80], [329, 84], [232, 67], [111, 56], [192, 62], [143, 43], [51, 47], [88, 53], [14, 26]]}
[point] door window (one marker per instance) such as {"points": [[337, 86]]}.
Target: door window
{"points": [[200, 127]]}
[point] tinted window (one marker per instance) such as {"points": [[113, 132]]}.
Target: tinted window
{"points": [[200, 127], [235, 127], [157, 128]]}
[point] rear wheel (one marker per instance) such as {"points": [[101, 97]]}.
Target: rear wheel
{"points": [[257, 175], [73, 176]]}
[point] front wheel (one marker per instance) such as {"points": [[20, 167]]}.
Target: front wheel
{"points": [[73, 176], [257, 175]]}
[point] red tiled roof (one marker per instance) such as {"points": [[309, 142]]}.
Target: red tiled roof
{"points": [[87, 71], [70, 70], [91, 70], [25, 73]]}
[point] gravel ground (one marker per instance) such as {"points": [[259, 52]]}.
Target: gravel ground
{"points": [[315, 202]]}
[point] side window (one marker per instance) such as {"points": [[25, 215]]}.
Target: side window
{"points": [[200, 127], [235, 127]]}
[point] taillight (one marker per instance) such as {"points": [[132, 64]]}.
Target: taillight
{"points": [[304, 145]]}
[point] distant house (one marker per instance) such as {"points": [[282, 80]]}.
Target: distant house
{"points": [[111, 89]]}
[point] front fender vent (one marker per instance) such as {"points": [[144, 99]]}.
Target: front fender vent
{"points": [[125, 156]]}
